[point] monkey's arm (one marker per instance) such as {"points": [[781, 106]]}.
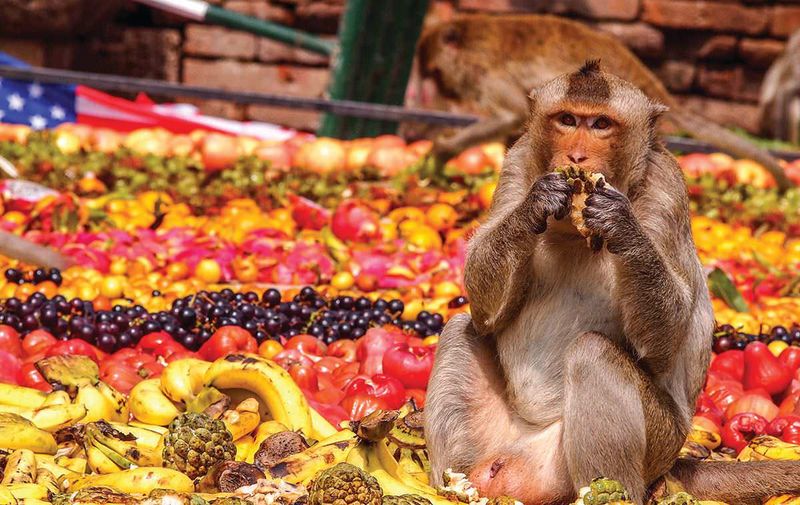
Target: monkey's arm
{"points": [[16, 247], [652, 259], [498, 269]]}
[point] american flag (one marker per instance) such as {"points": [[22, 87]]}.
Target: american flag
{"points": [[41, 106]]}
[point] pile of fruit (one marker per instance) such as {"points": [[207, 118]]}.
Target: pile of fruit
{"points": [[256, 322]]}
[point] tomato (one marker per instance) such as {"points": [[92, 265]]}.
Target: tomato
{"points": [[373, 345], [327, 365], [763, 369], [10, 341], [730, 363], [329, 396], [269, 348], [159, 343], [754, 403], [780, 427], [291, 357], [121, 377], [417, 396], [10, 365], [37, 341], [790, 357], [307, 344], [706, 407], [308, 214], [29, 376], [360, 405], [334, 414], [304, 376], [344, 374], [228, 340], [741, 429], [388, 389], [725, 392], [180, 354], [344, 349], [410, 365], [75, 346]]}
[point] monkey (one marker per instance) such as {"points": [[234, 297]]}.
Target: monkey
{"points": [[576, 364], [491, 62], [19, 248], [779, 103]]}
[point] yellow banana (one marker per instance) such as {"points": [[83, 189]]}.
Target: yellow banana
{"points": [[151, 427], [6, 498], [705, 438], [20, 468], [140, 480], [20, 396], [28, 491], [16, 432], [765, 447], [149, 405], [285, 401], [320, 427], [784, 499], [302, 467], [242, 420], [77, 465], [145, 437], [409, 461], [45, 462], [97, 406], [117, 402], [125, 453], [47, 479], [57, 398], [244, 447], [264, 430], [50, 417], [99, 462], [182, 379]]}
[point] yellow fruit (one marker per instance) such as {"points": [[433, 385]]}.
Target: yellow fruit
{"points": [[269, 348], [441, 216], [343, 280], [776, 347], [208, 271]]}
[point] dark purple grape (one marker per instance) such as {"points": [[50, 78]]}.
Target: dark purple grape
{"points": [[13, 304], [261, 336], [363, 303], [358, 332], [423, 314], [13, 275], [29, 322], [381, 304], [40, 275], [345, 330], [396, 307], [457, 302], [86, 333], [316, 330], [740, 345], [187, 317], [107, 343], [189, 341], [151, 326], [346, 303], [292, 332], [125, 340]]}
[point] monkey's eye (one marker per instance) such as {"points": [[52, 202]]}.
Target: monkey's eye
{"points": [[568, 120], [601, 123]]}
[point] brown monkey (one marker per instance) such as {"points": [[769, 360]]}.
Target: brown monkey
{"points": [[576, 364], [779, 101], [19, 248], [492, 62]]}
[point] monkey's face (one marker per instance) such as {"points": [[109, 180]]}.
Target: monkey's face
{"points": [[583, 136]]}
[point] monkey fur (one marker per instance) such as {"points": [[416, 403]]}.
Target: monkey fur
{"points": [[18, 248], [576, 364], [492, 62], [779, 101]]}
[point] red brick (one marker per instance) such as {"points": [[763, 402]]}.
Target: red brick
{"points": [[607, 9], [735, 83], [137, 52], [216, 41], [785, 20], [256, 77], [760, 53], [293, 118], [723, 112], [262, 10], [272, 51], [319, 16], [701, 15], [219, 108], [718, 48], [29, 51], [643, 39], [677, 76]]}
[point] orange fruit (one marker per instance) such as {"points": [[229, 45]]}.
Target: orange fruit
{"points": [[485, 194], [269, 348], [23, 291], [47, 288], [208, 271], [442, 216], [112, 286], [177, 271], [343, 280]]}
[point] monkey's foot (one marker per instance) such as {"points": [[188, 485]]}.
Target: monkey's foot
{"points": [[603, 491]]}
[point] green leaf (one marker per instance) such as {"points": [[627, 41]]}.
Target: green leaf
{"points": [[723, 287]]}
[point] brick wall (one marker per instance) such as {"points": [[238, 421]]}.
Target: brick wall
{"points": [[712, 54]]}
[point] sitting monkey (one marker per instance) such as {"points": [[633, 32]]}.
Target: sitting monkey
{"points": [[491, 62], [578, 364]]}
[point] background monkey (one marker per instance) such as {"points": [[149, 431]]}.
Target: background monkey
{"points": [[779, 100], [492, 62], [577, 364]]}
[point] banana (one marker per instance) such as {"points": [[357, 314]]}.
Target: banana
{"points": [[784, 499], [50, 417], [705, 438], [77, 465], [117, 402], [140, 480], [28, 491], [145, 437], [20, 468], [6, 498], [19, 396], [242, 420], [16, 432], [47, 463], [57, 398], [96, 404], [284, 400], [99, 462], [302, 467], [48, 480], [182, 379], [320, 427], [406, 442], [151, 427], [120, 448], [264, 430], [410, 461], [149, 405], [244, 447], [765, 447]]}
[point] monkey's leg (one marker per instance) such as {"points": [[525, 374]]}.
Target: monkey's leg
{"points": [[617, 423]]}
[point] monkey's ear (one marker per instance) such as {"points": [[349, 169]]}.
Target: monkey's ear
{"points": [[451, 35], [656, 111]]}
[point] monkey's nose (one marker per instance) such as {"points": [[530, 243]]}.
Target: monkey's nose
{"points": [[577, 157]]}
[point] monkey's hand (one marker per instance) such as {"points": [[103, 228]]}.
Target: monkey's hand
{"points": [[550, 195], [608, 214]]}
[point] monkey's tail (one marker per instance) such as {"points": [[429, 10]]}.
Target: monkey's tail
{"points": [[16, 247], [737, 482], [726, 140]]}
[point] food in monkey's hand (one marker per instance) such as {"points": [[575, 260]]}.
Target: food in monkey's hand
{"points": [[458, 488], [603, 491], [583, 183]]}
